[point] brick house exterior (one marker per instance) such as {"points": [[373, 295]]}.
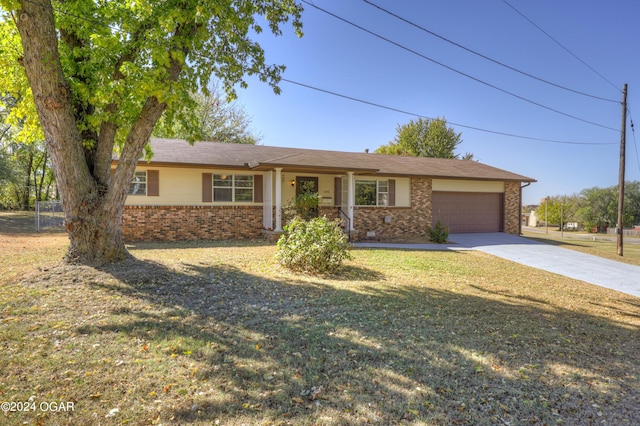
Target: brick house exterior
{"points": [[392, 223], [224, 191]]}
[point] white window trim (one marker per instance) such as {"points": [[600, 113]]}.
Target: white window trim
{"points": [[136, 182], [378, 193], [233, 188]]}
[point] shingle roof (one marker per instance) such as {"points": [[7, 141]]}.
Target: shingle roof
{"points": [[259, 157]]}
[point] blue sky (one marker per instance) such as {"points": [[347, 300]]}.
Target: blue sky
{"points": [[338, 57]]}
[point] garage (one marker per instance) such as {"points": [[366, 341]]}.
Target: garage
{"points": [[464, 212]]}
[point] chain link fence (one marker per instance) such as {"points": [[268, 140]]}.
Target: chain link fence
{"points": [[49, 216]]}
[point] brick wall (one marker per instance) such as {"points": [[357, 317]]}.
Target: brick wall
{"points": [[405, 222], [512, 207], [331, 212], [173, 223]]}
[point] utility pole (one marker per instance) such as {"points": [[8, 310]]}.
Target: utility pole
{"points": [[623, 140]]}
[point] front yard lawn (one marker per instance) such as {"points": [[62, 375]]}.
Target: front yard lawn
{"points": [[596, 244], [219, 333]]}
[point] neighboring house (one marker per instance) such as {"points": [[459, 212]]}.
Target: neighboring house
{"points": [[532, 219], [235, 191]]}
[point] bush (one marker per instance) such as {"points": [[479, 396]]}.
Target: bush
{"points": [[439, 233], [315, 246], [304, 205]]}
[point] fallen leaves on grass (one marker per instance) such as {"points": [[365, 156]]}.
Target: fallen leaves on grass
{"points": [[194, 334]]}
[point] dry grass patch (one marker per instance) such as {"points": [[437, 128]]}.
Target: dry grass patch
{"points": [[602, 246], [208, 333]]}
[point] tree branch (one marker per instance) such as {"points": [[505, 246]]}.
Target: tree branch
{"points": [[108, 127], [149, 115]]}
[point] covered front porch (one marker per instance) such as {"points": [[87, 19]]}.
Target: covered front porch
{"points": [[370, 207], [336, 195]]}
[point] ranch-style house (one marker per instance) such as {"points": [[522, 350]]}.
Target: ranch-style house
{"points": [[212, 190]]}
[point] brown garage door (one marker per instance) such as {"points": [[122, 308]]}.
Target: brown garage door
{"points": [[468, 211]]}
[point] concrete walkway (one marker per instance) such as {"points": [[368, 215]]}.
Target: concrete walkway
{"points": [[585, 267]]}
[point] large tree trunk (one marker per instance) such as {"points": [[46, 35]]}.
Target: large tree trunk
{"points": [[93, 201], [93, 222], [95, 233]]}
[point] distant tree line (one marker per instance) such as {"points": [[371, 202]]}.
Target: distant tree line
{"points": [[25, 167], [26, 174], [593, 208]]}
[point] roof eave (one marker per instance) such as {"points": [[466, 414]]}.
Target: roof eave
{"points": [[308, 168]]}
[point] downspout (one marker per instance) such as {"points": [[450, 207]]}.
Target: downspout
{"points": [[520, 211]]}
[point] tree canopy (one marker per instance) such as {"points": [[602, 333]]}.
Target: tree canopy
{"points": [[101, 74], [425, 138], [210, 117], [593, 207], [17, 110]]}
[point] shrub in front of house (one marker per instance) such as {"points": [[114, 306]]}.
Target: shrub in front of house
{"points": [[304, 205], [439, 233], [315, 246]]}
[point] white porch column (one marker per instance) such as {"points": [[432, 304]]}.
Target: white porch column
{"points": [[278, 199], [267, 199], [351, 198]]}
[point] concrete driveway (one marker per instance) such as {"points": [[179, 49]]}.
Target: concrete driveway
{"points": [[585, 267]]}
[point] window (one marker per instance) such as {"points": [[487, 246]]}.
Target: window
{"points": [[233, 188], [138, 184], [383, 193], [372, 193]]}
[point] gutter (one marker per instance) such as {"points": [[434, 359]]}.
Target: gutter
{"points": [[520, 211]]}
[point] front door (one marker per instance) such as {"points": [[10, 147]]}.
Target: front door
{"points": [[307, 185]]}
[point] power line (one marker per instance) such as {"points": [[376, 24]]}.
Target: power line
{"points": [[487, 57], [351, 98], [458, 71], [379, 105], [560, 44]]}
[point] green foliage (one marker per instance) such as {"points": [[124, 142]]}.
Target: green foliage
{"points": [[121, 54], [559, 208], [315, 246], [209, 117], [25, 167], [5, 167], [425, 138], [439, 233], [116, 68], [632, 202], [305, 205], [17, 109], [594, 207], [366, 193], [598, 207]]}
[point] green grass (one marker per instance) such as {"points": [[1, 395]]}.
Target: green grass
{"points": [[603, 245], [219, 333]]}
